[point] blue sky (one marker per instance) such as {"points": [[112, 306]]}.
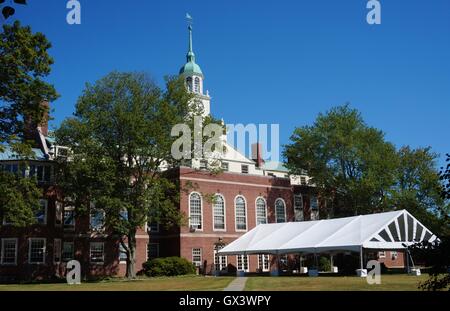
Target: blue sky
{"points": [[269, 61]]}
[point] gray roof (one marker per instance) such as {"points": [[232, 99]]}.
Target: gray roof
{"points": [[8, 155]]}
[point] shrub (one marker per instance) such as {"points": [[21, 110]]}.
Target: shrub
{"points": [[324, 264], [170, 266]]}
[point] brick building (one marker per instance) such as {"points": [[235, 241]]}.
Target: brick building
{"points": [[220, 208]]}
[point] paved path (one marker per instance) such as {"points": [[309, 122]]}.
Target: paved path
{"points": [[237, 285]]}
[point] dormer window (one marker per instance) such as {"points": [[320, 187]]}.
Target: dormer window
{"points": [[197, 85], [189, 83]]}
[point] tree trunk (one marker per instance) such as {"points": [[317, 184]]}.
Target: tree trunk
{"points": [[131, 260]]}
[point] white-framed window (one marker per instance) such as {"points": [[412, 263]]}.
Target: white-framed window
{"points": [[195, 211], [36, 250], [219, 212], [153, 227], [394, 255], [189, 83], [240, 212], [197, 256], [59, 211], [314, 205], [280, 210], [57, 250], [69, 218], [381, 254], [197, 85], [220, 262], [263, 263], [298, 207], [261, 211], [68, 252], [152, 250], [9, 251], [242, 263], [122, 254], [41, 214], [203, 164], [97, 252], [97, 219], [225, 166], [303, 180], [43, 173], [244, 169]]}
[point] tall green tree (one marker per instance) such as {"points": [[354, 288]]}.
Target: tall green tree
{"points": [[358, 171], [418, 187], [349, 162], [24, 64], [120, 141]]}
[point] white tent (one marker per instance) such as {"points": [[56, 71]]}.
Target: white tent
{"points": [[391, 230]]}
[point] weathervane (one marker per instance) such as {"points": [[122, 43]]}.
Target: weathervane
{"points": [[189, 19]]}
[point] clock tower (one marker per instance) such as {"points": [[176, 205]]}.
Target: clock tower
{"points": [[193, 77]]}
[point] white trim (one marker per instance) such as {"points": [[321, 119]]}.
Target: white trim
{"points": [[242, 263], [201, 209], [63, 259], [60, 251], [236, 183], [256, 209], [264, 261], [124, 262], [201, 255], [95, 210], [224, 214], [29, 250], [2, 251], [208, 235], [285, 212], [246, 214], [103, 253], [397, 227], [302, 207], [45, 201], [405, 221]]}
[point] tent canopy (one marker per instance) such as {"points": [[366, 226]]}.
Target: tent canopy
{"points": [[391, 230]]}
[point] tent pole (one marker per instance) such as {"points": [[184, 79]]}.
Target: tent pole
{"points": [[331, 262], [361, 258]]}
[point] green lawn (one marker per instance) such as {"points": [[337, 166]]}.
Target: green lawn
{"points": [[194, 283], [254, 283], [399, 282]]}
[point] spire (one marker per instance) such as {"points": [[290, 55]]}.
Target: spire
{"points": [[190, 54]]}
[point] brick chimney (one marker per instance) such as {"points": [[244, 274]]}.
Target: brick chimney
{"points": [[257, 154], [30, 127]]}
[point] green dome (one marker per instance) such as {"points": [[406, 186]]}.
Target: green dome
{"points": [[191, 68]]}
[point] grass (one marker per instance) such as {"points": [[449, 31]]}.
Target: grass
{"points": [[400, 282], [181, 283]]}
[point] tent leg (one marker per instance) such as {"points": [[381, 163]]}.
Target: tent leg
{"points": [[331, 262], [361, 259]]}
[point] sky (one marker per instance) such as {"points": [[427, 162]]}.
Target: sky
{"points": [[270, 62]]}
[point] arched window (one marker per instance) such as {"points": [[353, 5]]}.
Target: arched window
{"points": [[197, 85], [219, 212], [280, 210], [189, 84], [240, 213], [195, 211], [261, 213]]}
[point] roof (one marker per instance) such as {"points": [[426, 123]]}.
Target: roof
{"points": [[390, 230], [275, 166], [8, 155], [191, 68]]}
